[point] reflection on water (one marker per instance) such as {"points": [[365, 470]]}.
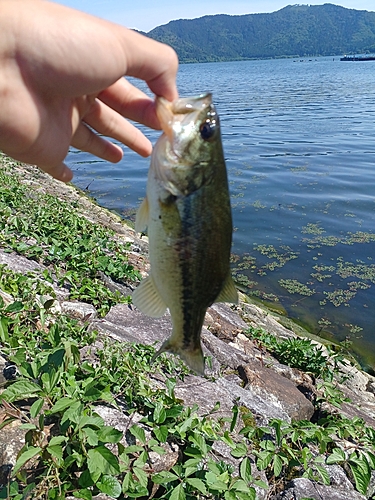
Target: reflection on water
{"points": [[300, 151]]}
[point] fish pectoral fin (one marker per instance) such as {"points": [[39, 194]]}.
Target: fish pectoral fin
{"points": [[147, 298], [142, 217], [228, 292]]}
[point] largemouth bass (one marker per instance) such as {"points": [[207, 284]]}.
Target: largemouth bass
{"points": [[188, 219]]}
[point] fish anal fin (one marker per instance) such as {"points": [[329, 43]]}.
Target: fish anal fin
{"points": [[147, 299], [228, 293], [193, 357], [142, 217]]}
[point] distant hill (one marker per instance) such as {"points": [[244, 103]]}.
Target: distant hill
{"points": [[294, 31]]}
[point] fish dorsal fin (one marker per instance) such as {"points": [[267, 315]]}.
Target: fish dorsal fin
{"points": [[147, 298], [228, 292], [142, 217]]}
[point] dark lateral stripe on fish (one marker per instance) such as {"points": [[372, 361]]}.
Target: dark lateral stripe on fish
{"points": [[189, 325]]}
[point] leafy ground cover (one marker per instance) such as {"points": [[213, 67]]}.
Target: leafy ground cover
{"points": [[57, 389], [53, 232]]}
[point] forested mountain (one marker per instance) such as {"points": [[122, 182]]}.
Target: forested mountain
{"points": [[294, 31]]}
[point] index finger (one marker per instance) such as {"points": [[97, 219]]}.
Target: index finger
{"points": [[152, 61], [131, 102]]}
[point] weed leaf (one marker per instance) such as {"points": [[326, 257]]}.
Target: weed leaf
{"points": [[178, 493], [101, 460], [138, 433], [198, 484], [21, 389], [27, 455], [245, 470], [337, 455], [110, 486]]}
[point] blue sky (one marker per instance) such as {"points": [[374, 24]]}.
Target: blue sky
{"points": [[146, 14]]}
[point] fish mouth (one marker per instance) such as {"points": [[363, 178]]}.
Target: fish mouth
{"points": [[181, 113]]}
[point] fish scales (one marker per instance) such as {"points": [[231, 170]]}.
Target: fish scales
{"points": [[188, 218]]}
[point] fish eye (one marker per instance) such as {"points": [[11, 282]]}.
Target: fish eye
{"points": [[207, 130]]}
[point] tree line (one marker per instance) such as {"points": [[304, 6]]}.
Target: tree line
{"points": [[294, 31]]}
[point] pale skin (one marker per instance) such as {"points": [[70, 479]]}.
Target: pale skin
{"points": [[61, 84]]}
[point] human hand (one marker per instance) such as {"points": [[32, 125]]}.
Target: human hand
{"points": [[61, 84]]}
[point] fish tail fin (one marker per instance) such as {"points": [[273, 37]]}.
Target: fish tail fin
{"points": [[193, 356]]}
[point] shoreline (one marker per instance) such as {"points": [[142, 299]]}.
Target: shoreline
{"points": [[112, 220]]}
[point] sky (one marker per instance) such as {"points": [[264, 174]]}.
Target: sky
{"points": [[145, 15]]}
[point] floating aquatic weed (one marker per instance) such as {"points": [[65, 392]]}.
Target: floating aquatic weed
{"points": [[330, 241], [324, 322], [353, 328], [320, 277], [299, 169], [281, 259], [247, 264], [242, 279], [338, 297], [294, 286], [322, 268], [312, 228], [361, 270], [234, 258], [360, 237], [258, 204], [235, 172], [257, 178], [358, 285]]}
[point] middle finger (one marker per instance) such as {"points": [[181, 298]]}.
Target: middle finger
{"points": [[131, 102], [110, 123]]}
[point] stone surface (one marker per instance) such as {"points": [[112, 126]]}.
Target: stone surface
{"points": [[12, 438], [268, 384], [20, 264], [301, 489], [79, 310], [267, 394], [338, 478], [259, 318]]}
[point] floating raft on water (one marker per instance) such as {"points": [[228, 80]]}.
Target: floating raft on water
{"points": [[357, 58]]}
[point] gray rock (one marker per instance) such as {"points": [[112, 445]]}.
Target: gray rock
{"points": [[7, 297], [338, 478], [302, 488], [79, 310], [264, 407], [224, 321], [12, 439], [127, 324], [259, 318], [22, 265], [267, 394], [226, 354], [276, 390], [371, 487]]}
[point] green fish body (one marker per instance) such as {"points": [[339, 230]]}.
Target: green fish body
{"points": [[188, 218]]}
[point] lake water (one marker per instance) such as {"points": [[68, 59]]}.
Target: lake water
{"points": [[299, 141]]}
